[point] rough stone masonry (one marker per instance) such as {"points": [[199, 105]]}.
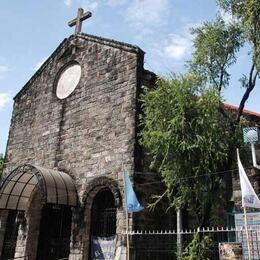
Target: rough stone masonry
{"points": [[90, 135]]}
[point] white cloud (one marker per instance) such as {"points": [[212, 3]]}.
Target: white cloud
{"points": [[169, 52], [116, 2], [177, 46], [3, 70], [68, 2], [86, 5], [92, 6], [89, 5], [141, 14], [39, 63], [5, 99]]}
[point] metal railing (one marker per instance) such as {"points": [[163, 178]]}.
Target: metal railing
{"points": [[25, 257], [162, 245]]}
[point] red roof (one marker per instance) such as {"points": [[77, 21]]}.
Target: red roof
{"points": [[245, 111]]}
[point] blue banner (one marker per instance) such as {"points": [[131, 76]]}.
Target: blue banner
{"points": [[132, 202]]}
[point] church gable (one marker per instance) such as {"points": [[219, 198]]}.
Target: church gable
{"points": [[76, 43], [67, 133]]}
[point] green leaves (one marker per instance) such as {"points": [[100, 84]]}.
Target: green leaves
{"points": [[183, 131], [216, 45], [199, 248], [247, 13], [186, 130]]}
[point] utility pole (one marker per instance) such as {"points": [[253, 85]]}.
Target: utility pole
{"points": [[179, 229]]}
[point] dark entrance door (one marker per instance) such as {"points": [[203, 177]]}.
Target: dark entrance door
{"points": [[11, 233], [103, 216], [55, 229]]}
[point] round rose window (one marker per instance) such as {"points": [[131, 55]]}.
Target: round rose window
{"points": [[68, 81]]}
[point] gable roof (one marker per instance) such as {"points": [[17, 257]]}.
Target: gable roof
{"points": [[105, 41]]}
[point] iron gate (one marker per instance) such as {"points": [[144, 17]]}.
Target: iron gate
{"points": [[103, 214], [55, 231], [11, 233], [103, 220]]}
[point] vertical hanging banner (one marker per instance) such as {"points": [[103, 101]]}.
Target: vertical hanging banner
{"points": [[249, 200], [249, 197], [103, 248], [132, 202]]}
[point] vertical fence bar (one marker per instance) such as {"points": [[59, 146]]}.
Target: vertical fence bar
{"points": [[179, 235], [257, 248]]}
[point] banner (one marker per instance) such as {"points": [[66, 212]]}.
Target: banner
{"points": [[103, 248], [132, 202], [249, 197]]}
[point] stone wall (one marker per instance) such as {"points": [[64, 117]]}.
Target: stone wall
{"points": [[91, 133], [3, 221]]}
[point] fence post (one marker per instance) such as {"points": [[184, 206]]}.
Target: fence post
{"points": [[179, 238]]}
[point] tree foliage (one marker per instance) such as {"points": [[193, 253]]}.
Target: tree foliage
{"points": [[184, 133], [247, 14], [199, 248], [188, 133], [216, 45]]}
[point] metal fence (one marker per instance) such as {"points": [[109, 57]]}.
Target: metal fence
{"points": [[162, 245], [25, 257]]}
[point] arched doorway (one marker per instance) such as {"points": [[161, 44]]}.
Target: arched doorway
{"points": [[103, 214], [48, 215], [55, 231], [99, 190], [103, 225], [11, 232]]}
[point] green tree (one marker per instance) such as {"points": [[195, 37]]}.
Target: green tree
{"points": [[247, 14], [217, 45], [186, 129], [199, 248], [184, 133], [216, 48]]}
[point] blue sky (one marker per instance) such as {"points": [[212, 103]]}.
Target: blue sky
{"points": [[31, 30]]}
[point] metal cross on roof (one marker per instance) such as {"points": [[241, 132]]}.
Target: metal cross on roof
{"points": [[79, 19]]}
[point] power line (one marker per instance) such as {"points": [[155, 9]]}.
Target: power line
{"points": [[157, 182], [189, 177]]}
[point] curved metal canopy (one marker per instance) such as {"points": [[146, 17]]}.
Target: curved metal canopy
{"points": [[55, 187]]}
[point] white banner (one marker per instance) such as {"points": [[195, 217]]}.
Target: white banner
{"points": [[249, 197], [103, 248]]}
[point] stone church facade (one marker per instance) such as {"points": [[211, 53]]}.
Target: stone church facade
{"points": [[68, 148], [73, 147]]}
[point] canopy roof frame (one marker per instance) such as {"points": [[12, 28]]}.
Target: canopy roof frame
{"points": [[55, 187]]}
